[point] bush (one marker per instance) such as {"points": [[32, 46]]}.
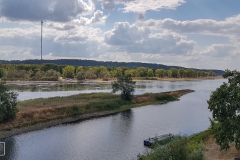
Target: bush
{"points": [[177, 149], [165, 97], [8, 104]]}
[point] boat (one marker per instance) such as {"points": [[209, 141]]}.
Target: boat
{"points": [[162, 140]]}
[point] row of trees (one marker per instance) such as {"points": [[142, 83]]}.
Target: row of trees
{"points": [[53, 72]]}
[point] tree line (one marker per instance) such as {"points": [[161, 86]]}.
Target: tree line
{"points": [[51, 72]]}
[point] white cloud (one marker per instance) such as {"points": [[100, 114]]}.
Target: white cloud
{"points": [[140, 6], [52, 10], [98, 18], [108, 4], [61, 26], [80, 42], [219, 50], [230, 27], [71, 37], [135, 39], [155, 5], [125, 34]]}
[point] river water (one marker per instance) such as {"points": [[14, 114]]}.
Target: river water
{"points": [[115, 137]]}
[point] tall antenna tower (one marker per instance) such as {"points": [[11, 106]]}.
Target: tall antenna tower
{"points": [[41, 37]]}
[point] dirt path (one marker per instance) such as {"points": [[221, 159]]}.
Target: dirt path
{"points": [[213, 151]]}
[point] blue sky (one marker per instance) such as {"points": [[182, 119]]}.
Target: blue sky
{"points": [[190, 33]]}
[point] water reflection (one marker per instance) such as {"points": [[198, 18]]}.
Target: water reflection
{"points": [[10, 149], [50, 87]]}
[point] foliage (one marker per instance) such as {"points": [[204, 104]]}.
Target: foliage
{"points": [[165, 97], [177, 149], [160, 73], [1, 72], [68, 72], [89, 74], [225, 106], [125, 85], [8, 104]]}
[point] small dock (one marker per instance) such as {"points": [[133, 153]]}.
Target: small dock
{"points": [[158, 139]]}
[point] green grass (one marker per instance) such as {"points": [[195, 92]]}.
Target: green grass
{"points": [[60, 101], [199, 137]]}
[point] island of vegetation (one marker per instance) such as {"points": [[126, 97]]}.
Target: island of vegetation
{"points": [[45, 112]]}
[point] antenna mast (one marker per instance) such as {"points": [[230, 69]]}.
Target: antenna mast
{"points": [[41, 37]]}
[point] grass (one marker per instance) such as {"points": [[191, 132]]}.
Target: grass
{"points": [[199, 138]]}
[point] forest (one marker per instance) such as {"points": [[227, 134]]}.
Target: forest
{"points": [[85, 63], [52, 72]]}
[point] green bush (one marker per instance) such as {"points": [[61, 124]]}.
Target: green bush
{"points": [[8, 104], [165, 97]]}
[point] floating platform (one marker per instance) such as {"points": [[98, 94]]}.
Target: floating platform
{"points": [[158, 139]]}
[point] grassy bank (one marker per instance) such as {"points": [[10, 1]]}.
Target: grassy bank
{"points": [[180, 148], [200, 146], [42, 110]]}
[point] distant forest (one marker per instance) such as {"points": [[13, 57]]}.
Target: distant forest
{"points": [[85, 63]]}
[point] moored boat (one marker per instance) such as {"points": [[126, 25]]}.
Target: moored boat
{"points": [[158, 139]]}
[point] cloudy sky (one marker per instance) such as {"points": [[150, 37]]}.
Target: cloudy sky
{"points": [[189, 33]]}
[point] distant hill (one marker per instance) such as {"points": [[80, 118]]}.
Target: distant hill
{"points": [[79, 62]]}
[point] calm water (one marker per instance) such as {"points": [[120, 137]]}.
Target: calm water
{"points": [[119, 136]]}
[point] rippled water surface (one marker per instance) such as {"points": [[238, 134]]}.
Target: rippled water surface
{"points": [[118, 136]]}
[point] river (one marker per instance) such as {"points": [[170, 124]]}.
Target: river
{"points": [[115, 137]]}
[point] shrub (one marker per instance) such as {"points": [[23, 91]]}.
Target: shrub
{"points": [[8, 104], [165, 97]]}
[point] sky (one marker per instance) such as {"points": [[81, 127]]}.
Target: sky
{"points": [[203, 34]]}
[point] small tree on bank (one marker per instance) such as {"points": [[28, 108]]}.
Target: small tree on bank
{"points": [[125, 85], [8, 104], [225, 106]]}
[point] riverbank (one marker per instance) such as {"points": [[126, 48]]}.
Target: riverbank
{"points": [[211, 150], [46, 112]]}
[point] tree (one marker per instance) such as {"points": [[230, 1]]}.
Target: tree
{"points": [[89, 74], [169, 73], [125, 85], [160, 73], [117, 72], [225, 106], [1, 72], [68, 71], [150, 73], [8, 104], [142, 72], [181, 73], [174, 72]]}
